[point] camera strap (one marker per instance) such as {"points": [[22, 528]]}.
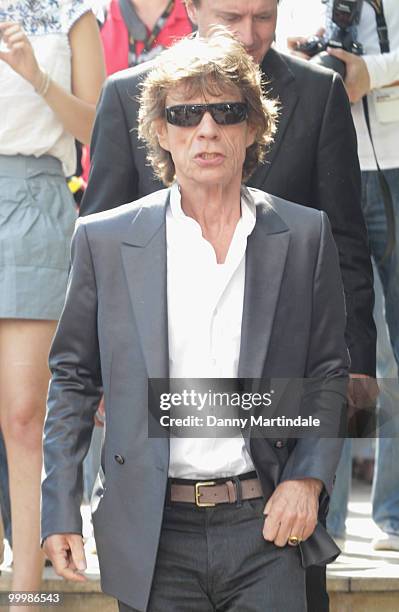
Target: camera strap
{"points": [[382, 29], [385, 191], [383, 38]]}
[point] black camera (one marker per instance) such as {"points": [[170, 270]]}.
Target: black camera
{"points": [[345, 14]]}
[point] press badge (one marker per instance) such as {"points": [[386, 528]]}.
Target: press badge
{"points": [[386, 102]]}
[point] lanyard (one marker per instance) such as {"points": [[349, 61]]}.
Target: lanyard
{"points": [[158, 26], [150, 37]]}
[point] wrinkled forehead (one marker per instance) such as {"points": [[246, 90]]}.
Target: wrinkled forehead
{"points": [[203, 88]]}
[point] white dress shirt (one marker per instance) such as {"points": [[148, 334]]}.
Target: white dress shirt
{"points": [[205, 305]]}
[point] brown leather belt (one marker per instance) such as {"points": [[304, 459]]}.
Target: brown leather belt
{"points": [[209, 494]]}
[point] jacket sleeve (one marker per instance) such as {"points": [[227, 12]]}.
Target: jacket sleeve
{"points": [[113, 176], [338, 191], [326, 371], [73, 397]]}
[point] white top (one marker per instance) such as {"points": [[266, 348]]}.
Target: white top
{"points": [[205, 304], [28, 126], [383, 70]]}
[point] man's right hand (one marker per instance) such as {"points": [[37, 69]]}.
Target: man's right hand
{"points": [[357, 79], [66, 553]]}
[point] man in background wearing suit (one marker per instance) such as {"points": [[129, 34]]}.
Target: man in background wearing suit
{"points": [[313, 161]]}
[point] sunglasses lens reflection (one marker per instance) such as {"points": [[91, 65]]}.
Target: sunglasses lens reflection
{"points": [[189, 115]]}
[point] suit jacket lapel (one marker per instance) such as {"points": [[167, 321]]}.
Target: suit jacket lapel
{"points": [[144, 261], [265, 261], [282, 86]]}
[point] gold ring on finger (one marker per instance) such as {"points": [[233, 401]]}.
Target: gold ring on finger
{"points": [[294, 540]]}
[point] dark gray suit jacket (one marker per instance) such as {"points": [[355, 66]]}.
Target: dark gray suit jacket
{"points": [[313, 162], [113, 334]]}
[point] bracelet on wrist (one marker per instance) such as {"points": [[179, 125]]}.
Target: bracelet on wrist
{"points": [[44, 85]]}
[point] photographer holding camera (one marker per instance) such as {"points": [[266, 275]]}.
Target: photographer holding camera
{"points": [[360, 40]]}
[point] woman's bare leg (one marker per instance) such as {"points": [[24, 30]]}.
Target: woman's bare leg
{"points": [[24, 378]]}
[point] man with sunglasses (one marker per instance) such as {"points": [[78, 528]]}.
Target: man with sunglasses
{"points": [[312, 161], [200, 281]]}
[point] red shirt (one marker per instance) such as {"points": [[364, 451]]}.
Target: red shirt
{"points": [[115, 35]]}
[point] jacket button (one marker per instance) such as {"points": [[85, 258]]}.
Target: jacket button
{"points": [[119, 459], [279, 444]]}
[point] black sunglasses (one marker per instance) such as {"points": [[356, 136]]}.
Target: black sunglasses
{"points": [[223, 113]]}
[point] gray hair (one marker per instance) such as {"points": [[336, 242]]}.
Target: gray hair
{"points": [[212, 66]]}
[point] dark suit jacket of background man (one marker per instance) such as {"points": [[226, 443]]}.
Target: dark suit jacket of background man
{"points": [[313, 161]]}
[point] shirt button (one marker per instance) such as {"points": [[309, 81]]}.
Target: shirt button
{"points": [[279, 444], [119, 459]]}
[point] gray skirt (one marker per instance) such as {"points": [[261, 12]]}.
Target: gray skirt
{"points": [[37, 219]]}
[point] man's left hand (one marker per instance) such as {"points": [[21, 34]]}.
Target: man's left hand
{"points": [[292, 511], [357, 79]]}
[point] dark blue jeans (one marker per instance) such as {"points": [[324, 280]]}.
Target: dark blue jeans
{"points": [[385, 494], [388, 269], [216, 559]]}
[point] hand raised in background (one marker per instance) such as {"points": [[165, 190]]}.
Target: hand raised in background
{"points": [[20, 55]]}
